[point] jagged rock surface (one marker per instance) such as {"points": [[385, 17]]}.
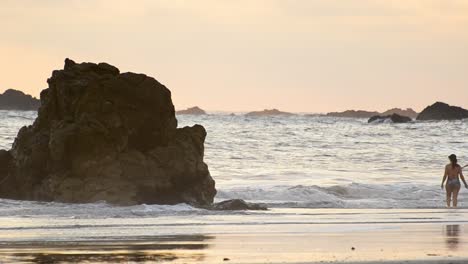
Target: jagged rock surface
{"points": [[105, 135]]}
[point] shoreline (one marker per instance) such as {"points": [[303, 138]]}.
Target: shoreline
{"points": [[376, 246], [278, 236]]}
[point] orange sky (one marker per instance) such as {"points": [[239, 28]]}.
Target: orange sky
{"points": [[296, 55]]}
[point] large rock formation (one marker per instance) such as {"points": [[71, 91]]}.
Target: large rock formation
{"points": [[192, 111], [17, 100], [269, 112], [395, 118], [105, 135], [442, 111]]}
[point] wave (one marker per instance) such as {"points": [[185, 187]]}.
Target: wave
{"points": [[354, 195], [31, 209], [17, 114]]}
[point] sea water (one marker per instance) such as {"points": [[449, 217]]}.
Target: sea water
{"points": [[316, 161], [312, 161]]}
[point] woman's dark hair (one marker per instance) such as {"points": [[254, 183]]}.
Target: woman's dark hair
{"points": [[453, 160]]}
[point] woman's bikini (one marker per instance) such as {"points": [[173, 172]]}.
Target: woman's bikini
{"points": [[453, 182]]}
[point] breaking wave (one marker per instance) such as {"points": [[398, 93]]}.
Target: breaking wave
{"points": [[354, 195]]}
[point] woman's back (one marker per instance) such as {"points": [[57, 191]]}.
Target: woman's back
{"points": [[452, 171]]}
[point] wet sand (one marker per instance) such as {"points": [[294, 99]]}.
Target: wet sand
{"points": [[411, 243], [418, 236]]}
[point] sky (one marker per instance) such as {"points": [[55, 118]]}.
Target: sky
{"points": [[241, 55]]}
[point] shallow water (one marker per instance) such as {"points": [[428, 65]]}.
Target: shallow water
{"points": [[281, 235]]}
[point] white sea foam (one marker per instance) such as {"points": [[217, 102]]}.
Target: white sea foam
{"points": [[340, 196], [344, 196], [90, 210]]}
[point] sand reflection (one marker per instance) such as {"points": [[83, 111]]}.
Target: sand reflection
{"points": [[452, 234], [157, 249]]}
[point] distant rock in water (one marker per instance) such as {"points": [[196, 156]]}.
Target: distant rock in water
{"points": [[271, 112], [395, 118], [442, 111], [402, 112], [102, 135], [354, 114], [17, 100], [192, 111], [368, 114]]}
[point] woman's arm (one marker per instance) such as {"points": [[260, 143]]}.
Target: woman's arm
{"points": [[444, 178], [463, 178]]}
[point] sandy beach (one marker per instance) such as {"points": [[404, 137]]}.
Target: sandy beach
{"points": [[275, 236]]}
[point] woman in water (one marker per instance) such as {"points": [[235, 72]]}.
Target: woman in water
{"points": [[452, 171]]}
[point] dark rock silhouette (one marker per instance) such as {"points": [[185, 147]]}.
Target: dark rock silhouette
{"points": [[395, 118], [368, 114], [269, 112], [17, 100], [105, 135], [354, 114], [402, 112], [192, 111], [236, 204], [442, 111]]}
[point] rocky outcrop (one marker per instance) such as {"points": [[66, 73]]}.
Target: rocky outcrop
{"points": [[395, 118], [368, 114], [192, 111], [17, 100], [354, 114], [402, 112], [105, 135], [269, 112], [442, 111], [236, 204]]}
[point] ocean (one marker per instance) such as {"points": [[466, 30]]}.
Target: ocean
{"points": [[316, 161], [310, 170]]}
